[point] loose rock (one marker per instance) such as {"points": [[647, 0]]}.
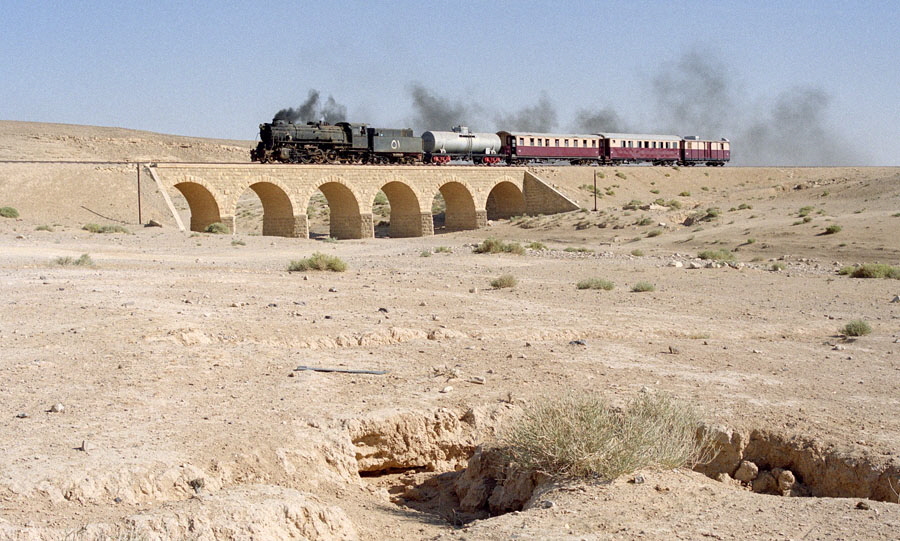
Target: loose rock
{"points": [[746, 472]]}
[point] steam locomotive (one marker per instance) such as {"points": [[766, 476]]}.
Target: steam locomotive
{"points": [[349, 143]]}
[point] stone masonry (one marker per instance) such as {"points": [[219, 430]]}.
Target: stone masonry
{"points": [[472, 194]]}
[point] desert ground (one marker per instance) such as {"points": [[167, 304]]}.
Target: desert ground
{"points": [[153, 393]]}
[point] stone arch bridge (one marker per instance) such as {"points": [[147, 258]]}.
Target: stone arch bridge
{"points": [[472, 195]]}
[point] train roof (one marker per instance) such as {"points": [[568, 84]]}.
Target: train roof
{"points": [[550, 135], [648, 136]]}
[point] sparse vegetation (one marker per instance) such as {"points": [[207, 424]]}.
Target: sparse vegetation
{"points": [[84, 260], [425, 253], [832, 229], [654, 191], [318, 261], [654, 233], [217, 228], [9, 212], [104, 229], [580, 250], [642, 287], [645, 220], [871, 270], [777, 266], [716, 255], [504, 281], [685, 194], [592, 190], [44, 227], [634, 204], [495, 246], [583, 437], [238, 242], [595, 283], [443, 250], [637, 252], [621, 175], [804, 211], [744, 206], [857, 327], [537, 246]]}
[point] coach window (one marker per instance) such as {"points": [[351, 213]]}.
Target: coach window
{"points": [[521, 141], [567, 142], [532, 141]]}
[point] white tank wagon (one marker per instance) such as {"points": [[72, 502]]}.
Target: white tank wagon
{"points": [[461, 144]]}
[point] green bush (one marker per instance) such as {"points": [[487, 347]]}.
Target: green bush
{"points": [[537, 246], [581, 436], [504, 281], [578, 250], [44, 227], [654, 233], [9, 212], [637, 252], [777, 266], [318, 261], [443, 250], [856, 327], [596, 283], [716, 255], [832, 229], [425, 253], [495, 246], [685, 194], [621, 175], [641, 287]]}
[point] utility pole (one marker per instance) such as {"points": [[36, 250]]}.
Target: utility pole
{"points": [[141, 218]]}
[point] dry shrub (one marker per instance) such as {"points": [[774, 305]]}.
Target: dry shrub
{"points": [[84, 260], [596, 283], [581, 436], [857, 327], [9, 212], [872, 270], [495, 246], [504, 281], [105, 229], [217, 228], [716, 255], [318, 261]]}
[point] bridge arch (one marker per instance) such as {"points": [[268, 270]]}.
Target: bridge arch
{"points": [[279, 217], [202, 203], [505, 200], [460, 210], [406, 213], [345, 219]]}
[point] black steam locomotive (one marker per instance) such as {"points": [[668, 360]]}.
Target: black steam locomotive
{"points": [[344, 142]]}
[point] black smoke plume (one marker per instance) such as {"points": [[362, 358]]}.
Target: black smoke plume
{"points": [[605, 120], [697, 96], [540, 117], [432, 112], [313, 110]]}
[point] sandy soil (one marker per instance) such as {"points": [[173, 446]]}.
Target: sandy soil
{"points": [[182, 416]]}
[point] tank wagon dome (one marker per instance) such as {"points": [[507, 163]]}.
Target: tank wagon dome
{"points": [[460, 141]]}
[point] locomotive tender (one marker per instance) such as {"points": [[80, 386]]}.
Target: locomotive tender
{"points": [[348, 143]]}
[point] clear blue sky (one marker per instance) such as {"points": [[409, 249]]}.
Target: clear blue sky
{"points": [[772, 71]]}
